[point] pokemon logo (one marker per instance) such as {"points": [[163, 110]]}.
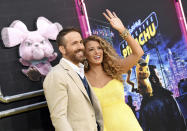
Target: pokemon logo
{"points": [[142, 33]]}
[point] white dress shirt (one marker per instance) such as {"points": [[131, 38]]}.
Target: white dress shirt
{"points": [[78, 69]]}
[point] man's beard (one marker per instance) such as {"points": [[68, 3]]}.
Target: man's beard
{"points": [[74, 57]]}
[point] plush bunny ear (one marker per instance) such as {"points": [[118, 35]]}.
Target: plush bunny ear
{"points": [[17, 24], [15, 34], [48, 29]]}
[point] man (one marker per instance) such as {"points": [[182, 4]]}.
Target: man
{"points": [[71, 102]]}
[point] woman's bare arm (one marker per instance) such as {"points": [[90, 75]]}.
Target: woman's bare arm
{"points": [[137, 51]]}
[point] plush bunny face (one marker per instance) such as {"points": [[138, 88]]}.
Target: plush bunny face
{"points": [[35, 47], [35, 50]]}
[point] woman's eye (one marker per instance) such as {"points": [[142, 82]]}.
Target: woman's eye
{"points": [[100, 48]]}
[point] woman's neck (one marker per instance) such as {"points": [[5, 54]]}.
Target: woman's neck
{"points": [[96, 69], [97, 76]]}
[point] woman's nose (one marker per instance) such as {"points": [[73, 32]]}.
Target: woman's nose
{"points": [[96, 51]]}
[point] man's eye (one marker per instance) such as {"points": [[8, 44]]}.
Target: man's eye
{"points": [[74, 43], [91, 49]]}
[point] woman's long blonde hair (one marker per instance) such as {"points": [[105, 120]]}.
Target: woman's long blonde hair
{"points": [[110, 58]]}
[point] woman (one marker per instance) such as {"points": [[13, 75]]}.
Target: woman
{"points": [[104, 73]]}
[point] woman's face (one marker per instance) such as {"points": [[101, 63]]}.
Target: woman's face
{"points": [[94, 52]]}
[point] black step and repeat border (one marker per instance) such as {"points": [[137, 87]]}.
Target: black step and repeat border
{"points": [[12, 81]]}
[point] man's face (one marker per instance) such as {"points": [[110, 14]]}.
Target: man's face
{"points": [[74, 48]]}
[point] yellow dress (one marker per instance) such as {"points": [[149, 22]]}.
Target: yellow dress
{"points": [[117, 115]]}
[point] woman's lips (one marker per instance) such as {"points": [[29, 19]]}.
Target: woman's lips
{"points": [[97, 57]]}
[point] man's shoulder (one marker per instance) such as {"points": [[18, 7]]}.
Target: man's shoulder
{"points": [[56, 70]]}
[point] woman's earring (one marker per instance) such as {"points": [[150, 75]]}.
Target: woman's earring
{"points": [[85, 64]]}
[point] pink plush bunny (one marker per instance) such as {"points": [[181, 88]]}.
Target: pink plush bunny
{"points": [[35, 49]]}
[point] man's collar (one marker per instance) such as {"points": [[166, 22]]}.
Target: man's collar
{"points": [[72, 64], [78, 69]]}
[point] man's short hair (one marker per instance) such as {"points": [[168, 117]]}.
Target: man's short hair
{"points": [[60, 37]]}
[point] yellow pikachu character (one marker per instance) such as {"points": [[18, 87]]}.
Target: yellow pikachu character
{"points": [[142, 74]]}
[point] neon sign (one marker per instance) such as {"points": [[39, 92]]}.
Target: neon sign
{"points": [[142, 33]]}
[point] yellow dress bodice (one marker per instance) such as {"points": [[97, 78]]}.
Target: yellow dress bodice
{"points": [[117, 115]]}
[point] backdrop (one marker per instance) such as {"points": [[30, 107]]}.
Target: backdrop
{"points": [[154, 24]]}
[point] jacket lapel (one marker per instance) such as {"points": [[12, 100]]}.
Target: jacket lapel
{"points": [[75, 78]]}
